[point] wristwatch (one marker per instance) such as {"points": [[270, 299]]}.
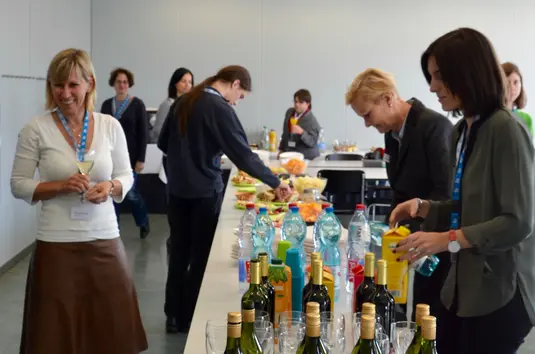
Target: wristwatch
{"points": [[453, 246], [112, 187], [419, 207]]}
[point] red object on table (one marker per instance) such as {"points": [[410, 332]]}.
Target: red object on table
{"points": [[358, 278]]}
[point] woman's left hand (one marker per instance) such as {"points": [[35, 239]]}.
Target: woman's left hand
{"points": [[420, 244], [99, 193]]}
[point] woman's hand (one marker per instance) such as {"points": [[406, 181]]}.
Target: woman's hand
{"points": [[420, 244], [99, 193], [410, 209], [283, 191], [77, 183]]}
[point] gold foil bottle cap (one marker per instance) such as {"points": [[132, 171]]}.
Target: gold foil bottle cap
{"points": [[313, 307], [429, 327], [264, 264], [234, 318], [248, 315], [382, 272], [421, 311], [368, 309], [317, 272], [255, 271], [367, 327], [314, 256], [313, 319]]}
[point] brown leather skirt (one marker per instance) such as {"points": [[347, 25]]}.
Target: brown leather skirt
{"points": [[80, 299]]}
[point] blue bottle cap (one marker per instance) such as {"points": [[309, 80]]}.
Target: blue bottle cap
{"points": [[263, 210], [294, 209], [293, 259], [329, 209]]}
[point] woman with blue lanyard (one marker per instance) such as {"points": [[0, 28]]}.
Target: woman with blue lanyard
{"points": [[489, 294], [132, 114], [201, 127]]}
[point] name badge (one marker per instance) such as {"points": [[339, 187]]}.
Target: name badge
{"points": [[386, 158], [82, 212], [291, 144]]}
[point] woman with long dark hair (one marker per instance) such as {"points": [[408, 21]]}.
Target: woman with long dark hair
{"points": [[202, 127], [489, 294]]}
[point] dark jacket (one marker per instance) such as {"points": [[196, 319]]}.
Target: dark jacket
{"points": [[307, 143], [194, 160], [420, 168], [136, 128]]}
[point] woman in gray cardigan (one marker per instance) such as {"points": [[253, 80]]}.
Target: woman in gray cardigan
{"points": [[489, 294]]}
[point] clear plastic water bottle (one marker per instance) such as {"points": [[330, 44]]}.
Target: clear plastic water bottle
{"points": [[318, 244], [426, 265], [358, 243], [294, 229], [330, 231], [245, 243], [263, 234]]}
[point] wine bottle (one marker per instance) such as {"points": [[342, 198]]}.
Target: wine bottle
{"points": [[318, 292], [421, 311], [314, 256], [255, 294], [312, 343], [381, 298], [249, 341], [429, 332], [233, 333], [268, 287], [366, 289], [367, 343]]}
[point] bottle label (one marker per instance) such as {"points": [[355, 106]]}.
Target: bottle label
{"points": [[355, 273], [336, 275], [244, 271]]}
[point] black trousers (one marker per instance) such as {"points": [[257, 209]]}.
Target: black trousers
{"points": [[193, 223], [500, 332]]}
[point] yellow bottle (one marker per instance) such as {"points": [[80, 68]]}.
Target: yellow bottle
{"points": [[398, 272]]}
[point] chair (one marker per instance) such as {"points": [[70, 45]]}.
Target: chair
{"points": [[344, 189], [379, 198], [344, 157]]}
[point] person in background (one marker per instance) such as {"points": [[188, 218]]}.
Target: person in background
{"points": [[489, 294], [417, 141], [80, 297], [516, 95], [201, 127], [132, 114], [180, 83], [301, 129]]}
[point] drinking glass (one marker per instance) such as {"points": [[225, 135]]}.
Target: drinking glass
{"points": [[356, 326], [332, 332], [401, 335], [291, 334], [292, 316], [383, 341], [262, 316], [216, 336], [85, 165], [266, 336]]}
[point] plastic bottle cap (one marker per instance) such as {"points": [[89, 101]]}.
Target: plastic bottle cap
{"points": [[360, 207], [325, 205], [294, 209], [263, 210], [291, 205], [276, 261], [249, 205], [329, 209]]}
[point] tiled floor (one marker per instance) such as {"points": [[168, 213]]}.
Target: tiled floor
{"points": [[147, 259]]}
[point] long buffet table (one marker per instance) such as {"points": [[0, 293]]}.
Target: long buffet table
{"points": [[219, 290]]}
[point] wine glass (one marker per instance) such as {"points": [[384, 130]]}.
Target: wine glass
{"points": [[332, 332], [401, 335], [216, 336], [291, 334], [85, 162], [266, 336], [383, 341]]}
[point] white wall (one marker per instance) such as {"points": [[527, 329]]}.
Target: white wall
{"points": [[316, 44], [31, 33]]}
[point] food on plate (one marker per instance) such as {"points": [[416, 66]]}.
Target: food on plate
{"points": [[246, 195], [295, 166], [306, 182], [271, 196], [309, 211], [242, 178], [278, 170]]}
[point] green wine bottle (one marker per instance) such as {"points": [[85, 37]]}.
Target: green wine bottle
{"points": [[312, 343], [249, 341], [367, 343], [266, 284], [233, 333], [382, 299], [318, 292], [314, 256], [429, 332], [366, 289], [421, 311], [255, 294]]}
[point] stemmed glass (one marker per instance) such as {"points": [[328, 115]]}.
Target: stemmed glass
{"points": [[332, 332], [290, 336], [401, 335], [216, 336], [85, 165]]}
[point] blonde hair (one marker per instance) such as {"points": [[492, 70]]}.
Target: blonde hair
{"points": [[371, 84], [60, 69]]}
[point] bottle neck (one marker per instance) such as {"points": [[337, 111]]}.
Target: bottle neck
{"points": [[312, 332], [248, 329], [233, 336], [369, 269], [233, 343]]}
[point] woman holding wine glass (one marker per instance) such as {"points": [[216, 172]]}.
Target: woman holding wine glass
{"points": [[80, 297], [489, 294]]}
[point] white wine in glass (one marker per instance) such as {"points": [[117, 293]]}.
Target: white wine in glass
{"points": [[85, 166]]}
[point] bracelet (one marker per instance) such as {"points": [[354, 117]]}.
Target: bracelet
{"points": [[112, 187], [419, 208]]}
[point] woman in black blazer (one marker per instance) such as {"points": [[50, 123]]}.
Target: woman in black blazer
{"points": [[132, 114]]}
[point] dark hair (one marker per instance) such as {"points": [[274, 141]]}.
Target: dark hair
{"points": [[177, 76], [227, 74], [303, 95], [522, 99], [116, 72], [469, 69]]}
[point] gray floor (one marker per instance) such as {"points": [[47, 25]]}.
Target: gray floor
{"points": [[147, 260]]}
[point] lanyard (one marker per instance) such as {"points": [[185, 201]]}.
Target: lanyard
{"points": [[456, 195], [117, 114], [80, 147], [213, 91]]}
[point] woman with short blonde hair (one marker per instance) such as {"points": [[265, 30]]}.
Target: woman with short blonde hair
{"points": [[80, 297]]}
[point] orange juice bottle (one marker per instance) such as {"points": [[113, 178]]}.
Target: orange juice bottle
{"points": [[398, 272], [272, 140], [280, 276]]}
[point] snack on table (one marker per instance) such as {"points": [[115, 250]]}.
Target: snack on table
{"points": [[306, 182], [278, 170], [309, 211], [267, 196], [295, 166], [242, 178], [246, 195]]}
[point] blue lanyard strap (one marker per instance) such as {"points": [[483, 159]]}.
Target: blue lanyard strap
{"points": [[80, 147], [456, 195], [117, 113], [213, 91]]}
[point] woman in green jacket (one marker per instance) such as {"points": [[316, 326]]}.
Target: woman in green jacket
{"points": [[516, 95]]}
